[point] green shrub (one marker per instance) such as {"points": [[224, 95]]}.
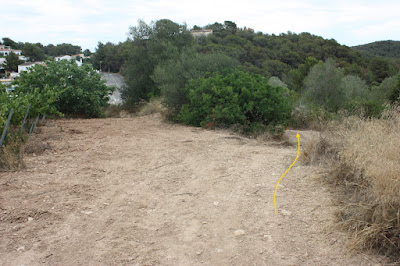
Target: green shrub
{"points": [[395, 93], [81, 90], [172, 76], [235, 98], [41, 101], [323, 86]]}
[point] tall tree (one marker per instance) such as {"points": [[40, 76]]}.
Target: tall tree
{"points": [[11, 43], [33, 51], [12, 62], [149, 46], [323, 86]]}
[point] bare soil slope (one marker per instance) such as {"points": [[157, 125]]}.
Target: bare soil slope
{"points": [[137, 191]]}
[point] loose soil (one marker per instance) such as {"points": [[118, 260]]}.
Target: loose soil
{"points": [[139, 191]]}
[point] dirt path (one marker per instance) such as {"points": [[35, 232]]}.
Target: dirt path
{"points": [[136, 191]]}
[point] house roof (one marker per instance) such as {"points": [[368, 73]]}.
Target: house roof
{"points": [[31, 63], [27, 64]]}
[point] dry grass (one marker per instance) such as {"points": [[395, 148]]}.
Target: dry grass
{"points": [[11, 156], [365, 159], [152, 107], [316, 151]]}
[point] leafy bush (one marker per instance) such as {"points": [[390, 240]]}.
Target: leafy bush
{"points": [[236, 98], [42, 102], [395, 93], [172, 76], [81, 90], [323, 86]]}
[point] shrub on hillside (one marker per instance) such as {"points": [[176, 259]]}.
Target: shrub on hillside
{"points": [[235, 98]]}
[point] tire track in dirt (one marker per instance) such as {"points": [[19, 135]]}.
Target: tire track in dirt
{"points": [[139, 191]]}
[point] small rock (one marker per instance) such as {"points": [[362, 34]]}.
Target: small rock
{"points": [[240, 232], [247, 194], [216, 203], [199, 253], [286, 213], [87, 212], [21, 248], [30, 219], [268, 236]]}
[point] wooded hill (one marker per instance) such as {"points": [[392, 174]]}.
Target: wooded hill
{"points": [[387, 49], [266, 54]]}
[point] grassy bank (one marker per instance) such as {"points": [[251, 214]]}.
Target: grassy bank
{"points": [[364, 158]]}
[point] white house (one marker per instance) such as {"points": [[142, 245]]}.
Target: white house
{"points": [[23, 58], [69, 57], [2, 62], [26, 66], [62, 57], [200, 33], [6, 50]]}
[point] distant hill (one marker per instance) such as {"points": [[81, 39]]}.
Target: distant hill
{"points": [[386, 49]]}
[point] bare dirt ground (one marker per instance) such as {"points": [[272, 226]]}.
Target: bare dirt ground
{"points": [[137, 191]]}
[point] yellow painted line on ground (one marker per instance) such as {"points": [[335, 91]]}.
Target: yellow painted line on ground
{"points": [[298, 152]]}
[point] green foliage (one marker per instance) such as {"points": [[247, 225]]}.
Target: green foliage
{"points": [[11, 43], [354, 88], [82, 92], [395, 93], [323, 86], [379, 68], [387, 49], [12, 62], [276, 82], [41, 101], [235, 98], [149, 46], [297, 76], [38, 52], [33, 51], [110, 57], [172, 76]]}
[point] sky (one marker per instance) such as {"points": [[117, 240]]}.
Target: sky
{"points": [[86, 22]]}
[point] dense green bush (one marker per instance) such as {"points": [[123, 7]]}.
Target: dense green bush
{"points": [[81, 89], [172, 76], [235, 98]]}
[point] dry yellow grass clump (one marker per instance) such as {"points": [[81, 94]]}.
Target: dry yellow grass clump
{"points": [[152, 107], [365, 158]]}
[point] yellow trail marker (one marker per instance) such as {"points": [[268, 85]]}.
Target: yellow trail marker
{"points": [[298, 152]]}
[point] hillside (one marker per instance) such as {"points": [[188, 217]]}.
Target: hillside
{"points": [[386, 49]]}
